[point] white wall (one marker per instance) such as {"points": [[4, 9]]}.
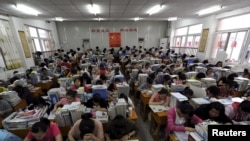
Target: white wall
{"points": [[18, 24], [71, 34], [210, 22]]}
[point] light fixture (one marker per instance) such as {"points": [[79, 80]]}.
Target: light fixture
{"points": [[27, 10], [209, 10], [99, 19], [137, 18], [155, 9], [172, 18], [94, 9], [60, 19]]}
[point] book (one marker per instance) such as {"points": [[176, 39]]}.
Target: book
{"points": [[193, 136]]}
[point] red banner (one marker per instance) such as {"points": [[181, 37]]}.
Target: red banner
{"points": [[115, 39]]}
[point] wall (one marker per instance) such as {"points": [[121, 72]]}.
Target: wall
{"points": [[210, 22], [18, 24], [71, 34]]}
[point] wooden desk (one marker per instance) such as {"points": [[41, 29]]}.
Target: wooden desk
{"points": [[132, 138], [160, 118], [133, 116], [172, 137], [36, 91], [144, 105], [45, 85], [21, 105]]}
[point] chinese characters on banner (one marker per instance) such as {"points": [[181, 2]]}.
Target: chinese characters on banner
{"points": [[128, 29], [99, 30], [114, 39]]}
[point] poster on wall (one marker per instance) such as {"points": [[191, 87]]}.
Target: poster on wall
{"points": [[24, 42], [203, 40], [114, 39]]}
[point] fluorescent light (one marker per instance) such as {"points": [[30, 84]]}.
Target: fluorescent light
{"points": [[210, 10], [137, 18], [99, 19], [94, 9], [155, 9], [60, 19], [172, 18], [27, 10]]}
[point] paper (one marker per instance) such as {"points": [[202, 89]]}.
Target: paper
{"points": [[158, 108], [52, 116]]}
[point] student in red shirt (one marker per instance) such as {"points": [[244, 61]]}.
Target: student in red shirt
{"points": [[160, 98], [44, 130]]}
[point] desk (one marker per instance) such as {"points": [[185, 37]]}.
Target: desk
{"points": [[45, 85], [133, 116], [160, 118], [144, 105], [134, 91], [36, 91], [131, 139], [172, 137]]}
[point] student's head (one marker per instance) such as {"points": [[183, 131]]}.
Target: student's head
{"points": [[244, 107], [200, 75], [188, 92], [213, 91], [232, 85], [38, 101], [216, 109], [163, 93], [149, 81], [71, 95], [39, 129], [77, 82], [117, 80], [87, 125], [231, 76], [185, 110], [99, 82], [119, 122], [219, 64], [96, 99]]}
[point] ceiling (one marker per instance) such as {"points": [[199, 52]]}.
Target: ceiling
{"points": [[116, 10]]}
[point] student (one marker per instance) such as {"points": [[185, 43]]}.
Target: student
{"points": [[97, 103], [144, 87], [160, 98], [86, 129], [127, 99], [112, 87], [188, 93], [70, 97], [214, 111], [238, 112], [44, 130], [213, 93], [7, 136], [5, 108], [39, 102], [120, 128], [181, 118], [229, 89], [77, 84]]}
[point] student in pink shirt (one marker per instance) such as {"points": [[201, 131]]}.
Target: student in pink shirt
{"points": [[44, 130], [70, 97], [162, 97], [86, 129], [181, 118]]}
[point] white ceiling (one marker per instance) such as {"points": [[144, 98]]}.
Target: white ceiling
{"points": [[76, 10]]}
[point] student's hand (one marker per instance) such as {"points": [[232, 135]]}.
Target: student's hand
{"points": [[162, 102], [124, 138], [189, 129]]}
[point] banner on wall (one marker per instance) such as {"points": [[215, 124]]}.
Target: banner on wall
{"points": [[114, 39]]}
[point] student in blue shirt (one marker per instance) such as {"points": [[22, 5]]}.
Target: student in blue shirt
{"points": [[7, 136]]}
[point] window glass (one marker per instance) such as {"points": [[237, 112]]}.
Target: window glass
{"points": [[43, 33], [33, 32], [195, 29], [181, 31]]}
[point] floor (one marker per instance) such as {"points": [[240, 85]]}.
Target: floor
{"points": [[143, 127]]}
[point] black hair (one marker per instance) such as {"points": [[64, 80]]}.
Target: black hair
{"points": [[188, 91], [231, 77], [119, 124], [71, 93], [186, 108], [217, 106], [149, 80], [38, 100], [214, 90], [117, 80], [245, 106], [96, 98], [163, 91], [200, 75], [99, 82], [40, 126], [87, 125], [122, 95]]}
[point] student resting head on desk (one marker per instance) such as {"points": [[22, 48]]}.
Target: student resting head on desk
{"points": [[160, 98], [44, 130], [120, 128], [214, 111], [70, 97], [97, 103], [86, 129], [181, 118]]}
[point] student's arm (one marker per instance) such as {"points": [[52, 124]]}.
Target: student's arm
{"points": [[55, 106], [152, 102]]}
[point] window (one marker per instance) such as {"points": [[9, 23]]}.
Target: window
{"points": [[188, 36], [42, 40], [232, 35]]}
